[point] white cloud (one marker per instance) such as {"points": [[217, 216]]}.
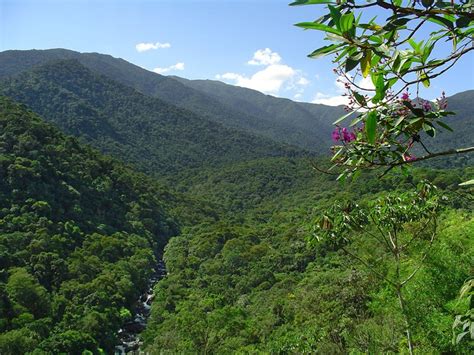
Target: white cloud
{"points": [[366, 83], [143, 47], [265, 57], [268, 80], [338, 98], [324, 99], [302, 81], [177, 66], [275, 76]]}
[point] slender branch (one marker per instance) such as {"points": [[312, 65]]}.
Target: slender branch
{"points": [[434, 155], [425, 254], [425, 157], [367, 265], [420, 13]]}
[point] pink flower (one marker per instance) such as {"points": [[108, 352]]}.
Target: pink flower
{"points": [[426, 106], [343, 135], [348, 136], [405, 96], [442, 102]]}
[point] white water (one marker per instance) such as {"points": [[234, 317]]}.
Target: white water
{"points": [[129, 334]]}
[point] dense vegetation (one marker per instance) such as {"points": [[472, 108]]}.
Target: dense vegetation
{"points": [[78, 238], [80, 232], [252, 283]]}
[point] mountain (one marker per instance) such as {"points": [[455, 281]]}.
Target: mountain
{"points": [[304, 125], [316, 120], [301, 124], [78, 237], [155, 136]]}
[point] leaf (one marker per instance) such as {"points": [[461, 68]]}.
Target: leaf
{"points": [[429, 129], [350, 64], [463, 22], [414, 45], [340, 119], [311, 2], [440, 21], [469, 182], [356, 121], [365, 63], [335, 15], [400, 119], [425, 80], [460, 336], [417, 111], [359, 98], [320, 52], [427, 3], [379, 88], [318, 27], [445, 126], [346, 22], [371, 126]]}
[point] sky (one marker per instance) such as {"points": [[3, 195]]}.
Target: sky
{"points": [[250, 43]]}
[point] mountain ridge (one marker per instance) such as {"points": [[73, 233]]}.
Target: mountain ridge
{"points": [[136, 128], [177, 93]]}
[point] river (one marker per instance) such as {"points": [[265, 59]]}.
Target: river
{"points": [[129, 333]]}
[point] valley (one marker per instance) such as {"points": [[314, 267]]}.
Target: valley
{"points": [[111, 173]]}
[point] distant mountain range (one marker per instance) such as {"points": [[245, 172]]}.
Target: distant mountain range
{"points": [[304, 125], [155, 136], [167, 122]]}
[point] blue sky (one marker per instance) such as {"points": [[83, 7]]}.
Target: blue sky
{"points": [[251, 43]]}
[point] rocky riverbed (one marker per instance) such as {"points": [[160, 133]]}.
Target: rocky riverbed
{"points": [[129, 333]]}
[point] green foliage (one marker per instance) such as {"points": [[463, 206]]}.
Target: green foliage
{"points": [[277, 294], [78, 237], [79, 232], [390, 52]]}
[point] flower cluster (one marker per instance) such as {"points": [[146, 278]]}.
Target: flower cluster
{"points": [[343, 135], [442, 101], [426, 105]]}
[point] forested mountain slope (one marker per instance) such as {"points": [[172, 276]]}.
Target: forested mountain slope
{"points": [[308, 124], [304, 125], [157, 137], [301, 124], [78, 238], [316, 120], [251, 283]]}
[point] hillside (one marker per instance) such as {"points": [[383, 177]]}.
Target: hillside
{"points": [[307, 125], [253, 282], [78, 237], [304, 125], [157, 137]]}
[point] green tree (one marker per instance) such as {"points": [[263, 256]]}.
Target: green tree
{"points": [[387, 123], [26, 292]]}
